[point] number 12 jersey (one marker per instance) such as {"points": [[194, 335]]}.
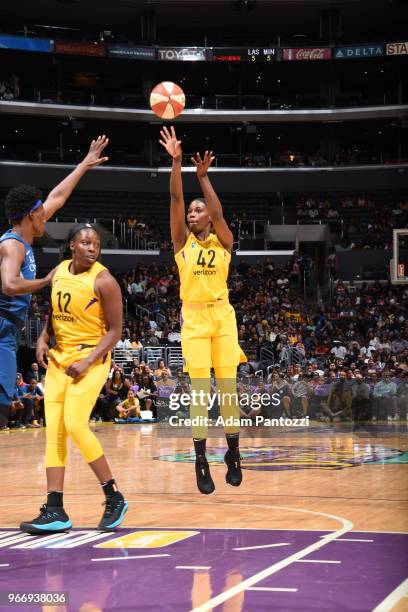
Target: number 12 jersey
{"points": [[77, 314]]}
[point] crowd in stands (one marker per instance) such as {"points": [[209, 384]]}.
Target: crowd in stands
{"points": [[259, 293], [319, 359], [262, 154], [27, 406], [72, 153], [358, 222], [138, 234], [336, 386], [298, 159]]}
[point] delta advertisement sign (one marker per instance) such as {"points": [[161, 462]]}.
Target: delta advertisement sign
{"points": [[359, 51]]}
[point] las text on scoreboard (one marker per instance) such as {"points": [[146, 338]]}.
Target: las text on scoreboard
{"points": [[244, 54]]}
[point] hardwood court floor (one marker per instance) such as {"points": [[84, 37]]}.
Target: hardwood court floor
{"points": [[324, 478]]}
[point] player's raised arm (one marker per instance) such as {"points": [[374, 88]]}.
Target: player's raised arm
{"points": [[212, 201], [60, 194], [179, 231]]}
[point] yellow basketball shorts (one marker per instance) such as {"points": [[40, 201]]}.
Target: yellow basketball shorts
{"points": [[209, 335], [68, 405]]}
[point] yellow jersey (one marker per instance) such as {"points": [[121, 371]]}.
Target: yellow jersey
{"points": [[203, 268], [134, 403], [77, 314]]}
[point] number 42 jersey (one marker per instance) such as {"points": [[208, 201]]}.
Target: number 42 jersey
{"points": [[77, 314], [203, 268]]}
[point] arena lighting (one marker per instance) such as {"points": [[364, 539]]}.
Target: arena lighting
{"points": [[53, 27]]}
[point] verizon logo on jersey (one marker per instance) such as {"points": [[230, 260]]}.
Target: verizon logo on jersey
{"points": [[62, 317], [204, 272]]}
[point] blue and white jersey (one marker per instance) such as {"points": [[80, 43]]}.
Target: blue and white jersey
{"points": [[18, 305]]}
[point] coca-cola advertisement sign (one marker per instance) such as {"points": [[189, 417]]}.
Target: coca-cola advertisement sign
{"points": [[307, 53]]}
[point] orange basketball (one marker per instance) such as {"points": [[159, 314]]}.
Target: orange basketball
{"points": [[167, 100]]}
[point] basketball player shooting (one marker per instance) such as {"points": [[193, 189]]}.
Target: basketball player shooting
{"points": [[209, 336]]}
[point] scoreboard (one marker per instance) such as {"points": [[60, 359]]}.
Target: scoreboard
{"points": [[244, 54]]}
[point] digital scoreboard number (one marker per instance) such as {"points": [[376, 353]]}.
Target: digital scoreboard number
{"points": [[261, 54], [247, 54]]}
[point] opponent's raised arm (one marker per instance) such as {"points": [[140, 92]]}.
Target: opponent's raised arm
{"points": [[212, 201], [59, 195], [179, 231]]}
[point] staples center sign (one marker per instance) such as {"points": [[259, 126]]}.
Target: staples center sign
{"points": [[397, 48], [308, 53]]}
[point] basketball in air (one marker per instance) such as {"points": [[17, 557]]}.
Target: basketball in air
{"points": [[167, 100]]}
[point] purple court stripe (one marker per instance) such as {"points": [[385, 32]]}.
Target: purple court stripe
{"points": [[110, 585]]}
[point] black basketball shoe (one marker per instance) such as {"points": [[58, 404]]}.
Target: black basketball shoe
{"points": [[205, 483], [115, 509], [50, 520], [232, 460]]}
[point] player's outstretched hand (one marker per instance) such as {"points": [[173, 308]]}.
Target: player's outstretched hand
{"points": [[202, 165], [170, 143], [41, 352], [50, 276], [94, 157]]}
